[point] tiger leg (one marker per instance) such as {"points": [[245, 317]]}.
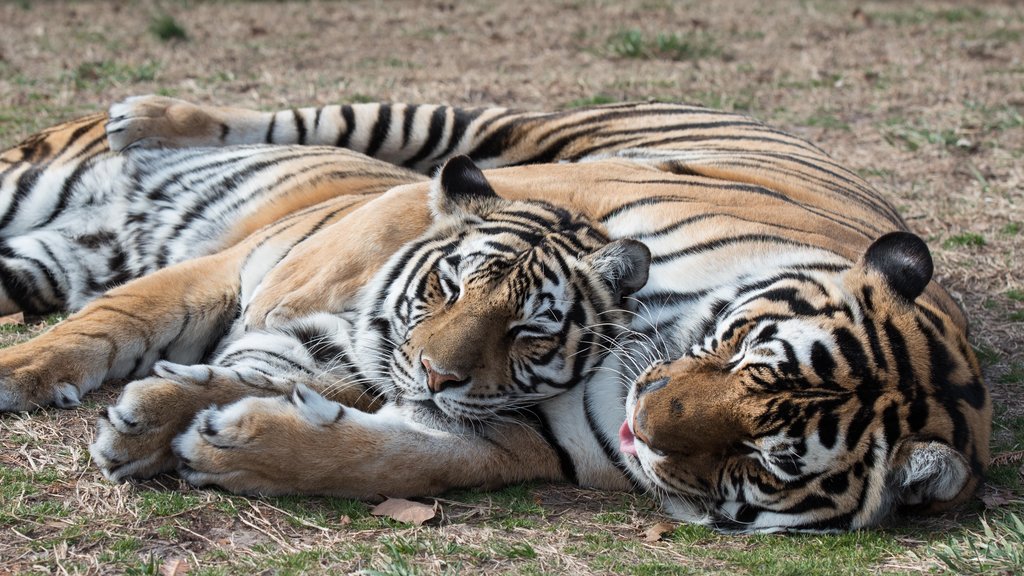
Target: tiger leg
{"points": [[133, 437], [303, 443], [176, 313]]}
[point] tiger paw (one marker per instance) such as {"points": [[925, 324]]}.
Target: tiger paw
{"points": [[160, 122], [133, 437], [30, 380], [256, 445]]}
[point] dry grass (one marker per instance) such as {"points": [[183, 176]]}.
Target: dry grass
{"points": [[925, 100]]}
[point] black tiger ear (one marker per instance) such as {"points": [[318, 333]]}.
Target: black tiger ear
{"points": [[624, 264], [461, 189], [903, 260]]}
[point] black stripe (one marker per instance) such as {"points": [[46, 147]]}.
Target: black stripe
{"points": [[565, 462], [410, 115], [269, 138], [300, 126], [437, 121], [380, 130], [349, 117]]}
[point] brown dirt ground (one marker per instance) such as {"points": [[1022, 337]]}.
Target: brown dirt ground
{"points": [[924, 99]]}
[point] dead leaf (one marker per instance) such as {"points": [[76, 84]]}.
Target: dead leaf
{"points": [[17, 318], [344, 520], [654, 533], [174, 567], [995, 497], [405, 510]]}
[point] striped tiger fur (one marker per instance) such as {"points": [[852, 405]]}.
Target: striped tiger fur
{"points": [[788, 365]]}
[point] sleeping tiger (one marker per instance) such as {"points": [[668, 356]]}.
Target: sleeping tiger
{"points": [[667, 297]]}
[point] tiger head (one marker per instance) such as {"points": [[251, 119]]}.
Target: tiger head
{"points": [[816, 401], [500, 304]]}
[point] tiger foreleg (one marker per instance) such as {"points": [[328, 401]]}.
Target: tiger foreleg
{"points": [[303, 443], [133, 437], [167, 314]]}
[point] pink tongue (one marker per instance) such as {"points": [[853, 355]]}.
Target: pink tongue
{"points": [[626, 440]]}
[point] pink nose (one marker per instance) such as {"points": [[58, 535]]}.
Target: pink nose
{"points": [[438, 381]]}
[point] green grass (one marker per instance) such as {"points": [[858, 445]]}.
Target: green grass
{"points": [[635, 44], [913, 138], [997, 548], [965, 240], [107, 72], [596, 100], [1012, 229], [166, 28], [827, 119], [916, 16], [1015, 375]]}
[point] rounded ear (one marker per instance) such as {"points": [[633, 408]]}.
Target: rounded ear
{"points": [[932, 474], [903, 260], [461, 189], [624, 264]]}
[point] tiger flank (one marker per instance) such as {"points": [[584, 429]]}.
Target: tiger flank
{"points": [[656, 296]]}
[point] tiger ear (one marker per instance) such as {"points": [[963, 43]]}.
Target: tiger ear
{"points": [[904, 262], [461, 189], [932, 475], [624, 264]]}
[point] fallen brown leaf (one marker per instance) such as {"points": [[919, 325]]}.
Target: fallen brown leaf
{"points": [[996, 498], [174, 567], [654, 533], [405, 510]]}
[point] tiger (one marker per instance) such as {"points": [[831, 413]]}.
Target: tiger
{"points": [[787, 363]]}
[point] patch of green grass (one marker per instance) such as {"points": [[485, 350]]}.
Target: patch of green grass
{"points": [[1012, 229], [826, 119], [1015, 374], [742, 100], [513, 550], [165, 502], [986, 354], [997, 549], [913, 138], [106, 73], [148, 567], [168, 532], [634, 44], [596, 100], [166, 28], [964, 240], [853, 553], [922, 16]]}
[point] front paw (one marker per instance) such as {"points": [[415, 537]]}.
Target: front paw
{"points": [[29, 381], [157, 121], [261, 446], [133, 437]]}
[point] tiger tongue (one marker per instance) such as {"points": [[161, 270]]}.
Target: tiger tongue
{"points": [[626, 439]]}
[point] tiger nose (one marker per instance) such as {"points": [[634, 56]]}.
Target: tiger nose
{"points": [[438, 381]]}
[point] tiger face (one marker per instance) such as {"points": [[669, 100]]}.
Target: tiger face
{"points": [[815, 402], [502, 304]]}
